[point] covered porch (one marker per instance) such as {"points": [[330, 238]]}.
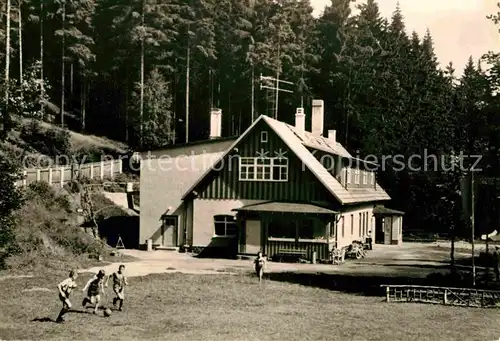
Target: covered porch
{"points": [[388, 226], [282, 228]]}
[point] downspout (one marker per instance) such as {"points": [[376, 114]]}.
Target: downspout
{"points": [[184, 218], [337, 220]]}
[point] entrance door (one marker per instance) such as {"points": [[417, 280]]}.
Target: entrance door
{"points": [[379, 230], [388, 230], [169, 231], [253, 236]]}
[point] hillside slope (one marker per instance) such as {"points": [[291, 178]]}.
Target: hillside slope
{"points": [[37, 143], [50, 231]]}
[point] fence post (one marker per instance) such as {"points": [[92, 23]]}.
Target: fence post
{"points": [[445, 297], [91, 171], [102, 170], [37, 175], [61, 170], [120, 166], [25, 178], [50, 176], [387, 292], [111, 163]]}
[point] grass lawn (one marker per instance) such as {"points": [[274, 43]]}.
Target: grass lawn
{"points": [[233, 307]]}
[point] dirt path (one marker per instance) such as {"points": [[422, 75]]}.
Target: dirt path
{"points": [[412, 259]]}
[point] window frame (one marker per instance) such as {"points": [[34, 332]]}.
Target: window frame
{"points": [[264, 137], [224, 219], [264, 167]]}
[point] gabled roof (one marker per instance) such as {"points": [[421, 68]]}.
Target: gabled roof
{"points": [[297, 144], [203, 146], [184, 166]]}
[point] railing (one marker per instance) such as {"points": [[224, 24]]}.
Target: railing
{"points": [[63, 174], [320, 246], [464, 297]]}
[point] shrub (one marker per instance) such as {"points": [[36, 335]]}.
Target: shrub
{"points": [[47, 230], [11, 199], [51, 142], [45, 193]]}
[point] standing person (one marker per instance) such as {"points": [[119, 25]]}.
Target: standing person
{"points": [[65, 288], [369, 240], [259, 265], [119, 283], [496, 263], [95, 287]]}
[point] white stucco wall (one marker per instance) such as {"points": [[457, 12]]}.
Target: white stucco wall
{"points": [[165, 177], [349, 216], [204, 211]]}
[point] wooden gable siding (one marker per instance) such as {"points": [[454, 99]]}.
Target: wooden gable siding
{"points": [[302, 185]]}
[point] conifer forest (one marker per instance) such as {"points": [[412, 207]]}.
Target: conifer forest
{"points": [[147, 73]]}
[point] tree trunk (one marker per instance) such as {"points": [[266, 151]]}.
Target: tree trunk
{"points": [[83, 100], [42, 88], [452, 250], [6, 117], [253, 93], [71, 78], [188, 52], [126, 104], [173, 92], [141, 114], [62, 61], [20, 28]]}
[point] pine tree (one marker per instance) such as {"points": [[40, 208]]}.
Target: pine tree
{"points": [[156, 122]]}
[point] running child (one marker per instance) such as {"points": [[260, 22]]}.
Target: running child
{"points": [[95, 287], [119, 283], [259, 265], [65, 288]]}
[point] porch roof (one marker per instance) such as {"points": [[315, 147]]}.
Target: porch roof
{"points": [[382, 210], [286, 207]]}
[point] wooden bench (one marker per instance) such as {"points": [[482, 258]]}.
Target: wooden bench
{"points": [[290, 254]]}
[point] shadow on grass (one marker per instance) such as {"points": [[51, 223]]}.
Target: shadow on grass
{"points": [[49, 319], [443, 266], [43, 319], [370, 285], [353, 284]]}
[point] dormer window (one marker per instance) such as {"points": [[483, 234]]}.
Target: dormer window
{"points": [[264, 137]]}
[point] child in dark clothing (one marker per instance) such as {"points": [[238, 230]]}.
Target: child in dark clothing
{"points": [[95, 287], [119, 283]]}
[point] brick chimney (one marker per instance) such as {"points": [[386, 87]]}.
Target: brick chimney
{"points": [[332, 136], [318, 117], [300, 120], [215, 123]]}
